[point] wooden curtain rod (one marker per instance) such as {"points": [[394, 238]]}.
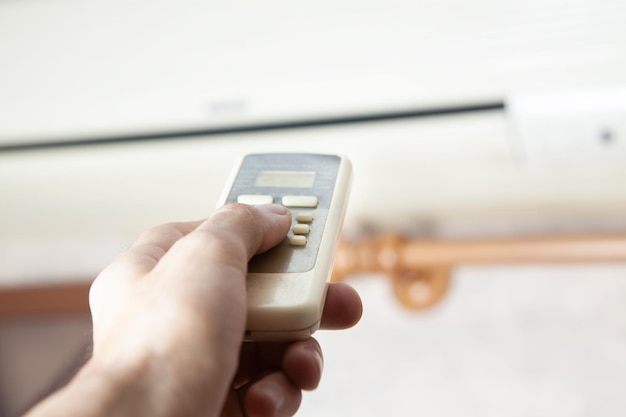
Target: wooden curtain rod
{"points": [[420, 269]]}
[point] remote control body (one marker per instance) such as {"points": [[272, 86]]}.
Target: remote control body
{"points": [[286, 286]]}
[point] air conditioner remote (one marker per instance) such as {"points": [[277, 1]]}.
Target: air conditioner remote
{"points": [[286, 286]]}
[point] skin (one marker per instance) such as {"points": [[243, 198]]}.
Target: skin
{"points": [[168, 321]]}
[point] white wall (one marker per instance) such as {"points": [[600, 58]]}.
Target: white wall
{"points": [[74, 69]]}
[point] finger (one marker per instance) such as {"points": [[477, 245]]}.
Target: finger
{"points": [[260, 227], [272, 395], [167, 234], [256, 358], [303, 363], [229, 238], [343, 308], [150, 247]]}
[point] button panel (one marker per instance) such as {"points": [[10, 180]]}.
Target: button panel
{"points": [[300, 231], [284, 175], [299, 254], [303, 219]]}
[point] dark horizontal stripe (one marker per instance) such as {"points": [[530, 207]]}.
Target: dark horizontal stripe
{"points": [[297, 124]]}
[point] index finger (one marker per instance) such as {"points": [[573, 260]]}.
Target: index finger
{"points": [[151, 245]]}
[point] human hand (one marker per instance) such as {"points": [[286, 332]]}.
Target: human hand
{"points": [[169, 318]]}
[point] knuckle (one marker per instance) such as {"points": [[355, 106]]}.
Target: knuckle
{"points": [[219, 242], [242, 211], [165, 231]]}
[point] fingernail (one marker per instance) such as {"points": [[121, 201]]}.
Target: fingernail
{"points": [[275, 395], [317, 355], [273, 208]]}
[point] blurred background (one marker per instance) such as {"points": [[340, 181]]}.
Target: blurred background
{"points": [[466, 121]]}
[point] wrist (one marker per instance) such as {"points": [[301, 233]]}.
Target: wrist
{"points": [[170, 373], [157, 379], [95, 392], [147, 388]]}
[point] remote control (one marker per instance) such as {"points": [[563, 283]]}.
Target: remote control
{"points": [[286, 286]]}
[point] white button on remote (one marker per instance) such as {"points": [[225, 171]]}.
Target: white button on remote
{"points": [[297, 240], [255, 200], [301, 229], [300, 201], [304, 217]]}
